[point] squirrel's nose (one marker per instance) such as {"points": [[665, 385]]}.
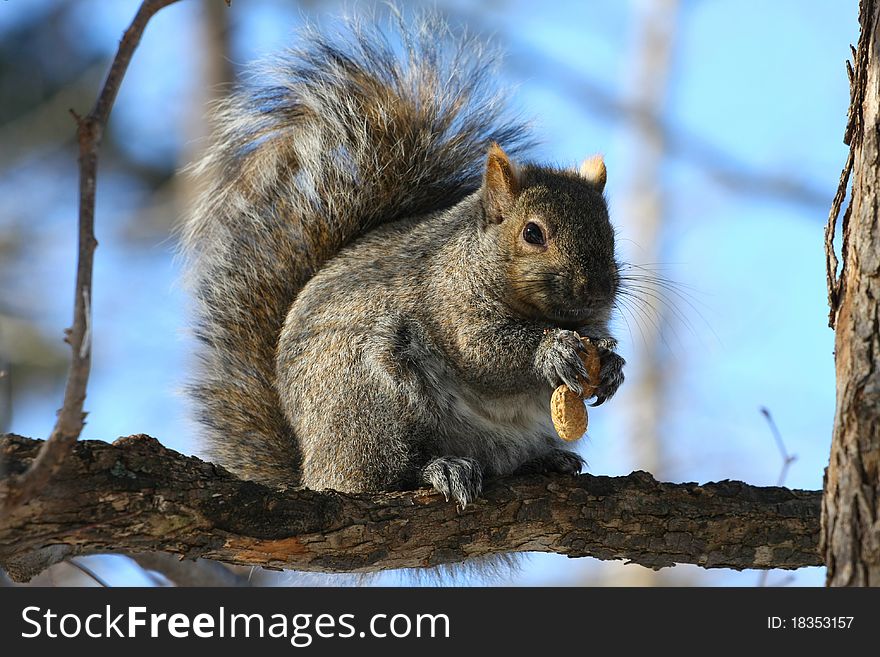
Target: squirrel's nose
{"points": [[596, 286], [584, 288]]}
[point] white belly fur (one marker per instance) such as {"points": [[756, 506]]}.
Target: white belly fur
{"points": [[503, 432]]}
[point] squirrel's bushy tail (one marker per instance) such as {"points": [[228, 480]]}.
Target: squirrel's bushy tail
{"points": [[347, 133]]}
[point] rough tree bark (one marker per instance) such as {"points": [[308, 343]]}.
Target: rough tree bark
{"points": [[851, 504], [136, 495]]}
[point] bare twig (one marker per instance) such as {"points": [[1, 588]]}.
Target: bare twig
{"points": [[159, 582], [200, 572], [787, 460], [87, 572], [71, 417]]}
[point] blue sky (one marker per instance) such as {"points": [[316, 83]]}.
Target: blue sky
{"points": [[762, 82]]}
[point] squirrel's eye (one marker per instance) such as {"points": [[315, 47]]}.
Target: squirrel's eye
{"points": [[533, 234]]}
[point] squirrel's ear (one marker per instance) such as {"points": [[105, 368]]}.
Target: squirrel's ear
{"points": [[593, 170], [500, 183]]}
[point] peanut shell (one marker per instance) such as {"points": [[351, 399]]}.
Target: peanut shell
{"points": [[590, 359], [569, 414], [566, 407]]}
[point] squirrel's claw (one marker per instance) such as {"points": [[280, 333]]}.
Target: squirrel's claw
{"points": [[561, 363], [460, 478], [606, 343], [610, 375]]}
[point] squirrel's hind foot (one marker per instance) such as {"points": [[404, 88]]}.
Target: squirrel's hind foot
{"points": [[459, 478]]}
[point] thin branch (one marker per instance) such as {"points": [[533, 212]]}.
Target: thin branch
{"points": [[71, 418], [158, 582], [88, 572], [787, 460], [189, 573], [136, 495]]}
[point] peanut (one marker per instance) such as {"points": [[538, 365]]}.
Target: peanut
{"points": [[566, 407]]}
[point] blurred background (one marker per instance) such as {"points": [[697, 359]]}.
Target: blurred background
{"points": [[721, 123]]}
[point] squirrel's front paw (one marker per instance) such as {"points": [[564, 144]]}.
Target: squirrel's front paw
{"points": [[460, 478], [560, 362], [556, 460], [610, 370]]}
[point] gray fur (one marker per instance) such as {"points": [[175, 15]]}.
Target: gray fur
{"points": [[367, 324]]}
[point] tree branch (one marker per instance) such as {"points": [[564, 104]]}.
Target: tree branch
{"points": [[136, 495], [71, 418]]}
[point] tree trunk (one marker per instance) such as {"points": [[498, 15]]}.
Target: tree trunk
{"points": [[850, 510]]}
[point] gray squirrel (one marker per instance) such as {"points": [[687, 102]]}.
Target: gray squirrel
{"points": [[386, 294]]}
